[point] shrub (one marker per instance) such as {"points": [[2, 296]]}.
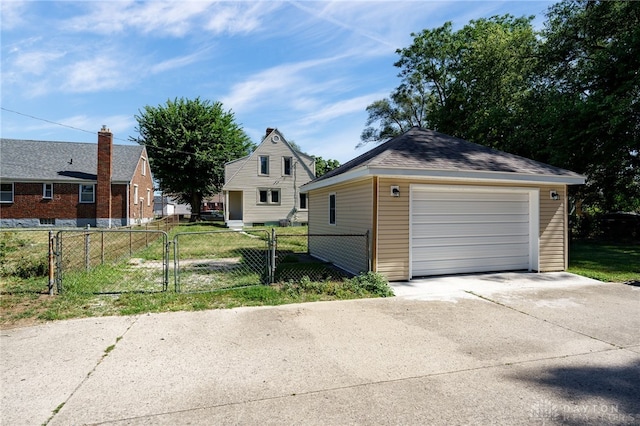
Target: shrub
{"points": [[32, 269], [373, 283]]}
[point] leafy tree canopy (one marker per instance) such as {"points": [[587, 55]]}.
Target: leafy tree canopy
{"points": [[568, 96], [188, 142], [324, 166]]}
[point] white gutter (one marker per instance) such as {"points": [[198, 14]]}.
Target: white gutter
{"points": [[463, 175]]}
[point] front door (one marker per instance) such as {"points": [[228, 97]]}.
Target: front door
{"points": [[235, 205]]}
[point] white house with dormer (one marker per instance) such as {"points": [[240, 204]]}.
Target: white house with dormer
{"points": [[263, 188]]}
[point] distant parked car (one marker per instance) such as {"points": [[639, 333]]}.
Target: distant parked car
{"points": [[620, 226], [212, 215]]}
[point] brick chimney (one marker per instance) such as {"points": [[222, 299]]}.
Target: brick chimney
{"points": [[269, 130], [103, 187]]}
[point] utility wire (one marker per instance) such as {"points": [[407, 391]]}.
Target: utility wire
{"points": [[93, 133]]}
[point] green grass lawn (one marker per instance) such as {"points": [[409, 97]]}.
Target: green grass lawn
{"points": [[608, 262]]}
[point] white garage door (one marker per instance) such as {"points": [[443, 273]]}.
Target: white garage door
{"points": [[458, 230]]}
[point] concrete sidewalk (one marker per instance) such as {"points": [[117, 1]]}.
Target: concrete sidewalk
{"points": [[554, 353]]}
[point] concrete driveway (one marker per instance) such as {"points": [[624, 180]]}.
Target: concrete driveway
{"points": [[495, 349]]}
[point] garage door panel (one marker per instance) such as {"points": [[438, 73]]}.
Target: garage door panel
{"points": [[470, 230], [460, 230], [467, 266], [470, 218], [477, 207], [468, 196], [448, 241], [480, 251]]}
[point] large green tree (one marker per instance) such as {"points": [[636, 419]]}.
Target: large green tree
{"points": [[590, 81], [188, 142], [466, 83], [568, 96]]}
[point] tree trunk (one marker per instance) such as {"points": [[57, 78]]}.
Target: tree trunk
{"points": [[196, 204]]}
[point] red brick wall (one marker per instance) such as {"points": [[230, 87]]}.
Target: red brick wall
{"points": [[144, 182], [28, 203]]}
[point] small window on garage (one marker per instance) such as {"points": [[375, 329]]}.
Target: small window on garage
{"points": [[303, 201], [332, 209]]}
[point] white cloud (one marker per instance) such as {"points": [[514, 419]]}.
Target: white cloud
{"points": [[95, 74], [11, 14], [170, 18], [35, 62], [179, 62]]}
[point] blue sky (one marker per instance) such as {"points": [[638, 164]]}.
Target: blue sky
{"points": [[307, 68]]}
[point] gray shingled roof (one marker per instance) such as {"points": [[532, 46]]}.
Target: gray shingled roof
{"points": [[427, 150], [62, 161]]}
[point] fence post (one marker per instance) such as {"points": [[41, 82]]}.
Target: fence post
{"points": [[51, 263], [102, 248], [368, 253], [87, 247], [273, 244]]}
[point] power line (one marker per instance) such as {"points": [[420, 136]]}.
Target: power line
{"points": [[94, 133]]}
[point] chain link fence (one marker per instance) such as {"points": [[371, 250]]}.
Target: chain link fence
{"points": [[139, 258], [112, 261], [207, 261], [299, 257]]}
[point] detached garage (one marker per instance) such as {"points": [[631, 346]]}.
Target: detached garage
{"points": [[434, 204]]}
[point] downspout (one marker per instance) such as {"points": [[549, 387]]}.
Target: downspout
{"points": [[127, 203]]}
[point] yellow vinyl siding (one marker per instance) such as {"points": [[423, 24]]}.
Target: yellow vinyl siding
{"points": [[354, 215], [553, 229], [392, 249]]}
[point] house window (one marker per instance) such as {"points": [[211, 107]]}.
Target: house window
{"points": [[47, 221], [268, 196], [47, 190], [263, 163], [87, 193], [144, 167], [6, 193], [286, 166], [135, 194], [303, 201], [332, 209], [148, 197]]}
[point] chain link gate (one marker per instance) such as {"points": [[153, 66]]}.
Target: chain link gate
{"points": [[112, 261], [214, 260]]}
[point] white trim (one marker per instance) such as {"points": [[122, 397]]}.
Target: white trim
{"points": [[93, 193], [135, 194], [534, 214], [44, 191], [479, 176]]}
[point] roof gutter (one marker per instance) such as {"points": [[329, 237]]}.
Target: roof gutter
{"points": [[462, 175]]}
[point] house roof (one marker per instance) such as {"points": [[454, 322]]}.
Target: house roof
{"points": [[27, 160], [426, 153]]}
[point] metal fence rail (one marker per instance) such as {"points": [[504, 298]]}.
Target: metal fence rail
{"points": [[214, 260], [112, 261]]}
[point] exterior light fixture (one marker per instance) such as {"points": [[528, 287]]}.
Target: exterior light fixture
{"points": [[395, 191]]}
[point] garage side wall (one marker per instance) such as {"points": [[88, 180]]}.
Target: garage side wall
{"points": [[354, 215]]}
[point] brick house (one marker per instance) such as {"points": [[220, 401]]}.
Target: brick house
{"points": [[44, 183]]}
